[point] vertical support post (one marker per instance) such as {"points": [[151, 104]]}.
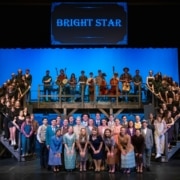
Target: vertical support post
{"points": [[111, 110]]}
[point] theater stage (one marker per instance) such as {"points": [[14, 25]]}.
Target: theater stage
{"points": [[11, 169]]}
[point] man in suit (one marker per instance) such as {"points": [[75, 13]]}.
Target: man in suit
{"points": [[148, 136], [97, 121]]}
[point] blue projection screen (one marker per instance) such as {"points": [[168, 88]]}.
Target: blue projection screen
{"points": [[164, 60]]}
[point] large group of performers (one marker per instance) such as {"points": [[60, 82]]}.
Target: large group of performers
{"points": [[86, 142], [162, 86]]}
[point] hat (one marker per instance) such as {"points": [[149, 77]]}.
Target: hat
{"points": [[125, 68], [103, 74], [144, 121], [82, 72]]}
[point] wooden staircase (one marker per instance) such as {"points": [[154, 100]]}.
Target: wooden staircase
{"points": [[15, 153], [171, 152]]}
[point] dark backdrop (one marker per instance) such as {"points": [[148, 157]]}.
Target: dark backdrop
{"points": [[150, 23]]}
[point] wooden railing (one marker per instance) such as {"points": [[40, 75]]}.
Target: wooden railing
{"points": [[61, 94]]}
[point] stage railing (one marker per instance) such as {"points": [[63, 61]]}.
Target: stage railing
{"points": [[81, 93]]}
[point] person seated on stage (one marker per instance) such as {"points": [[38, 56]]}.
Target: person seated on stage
{"points": [[126, 79], [91, 84], [46, 80], [114, 82]]}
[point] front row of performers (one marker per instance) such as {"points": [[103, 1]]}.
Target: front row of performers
{"points": [[69, 85]]}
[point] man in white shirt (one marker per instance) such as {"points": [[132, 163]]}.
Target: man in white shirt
{"points": [[41, 137]]}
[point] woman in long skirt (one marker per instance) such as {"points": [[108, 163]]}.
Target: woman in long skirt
{"points": [[127, 151], [69, 140], [55, 151]]}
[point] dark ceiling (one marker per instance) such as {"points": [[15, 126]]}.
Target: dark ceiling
{"points": [[150, 23]]}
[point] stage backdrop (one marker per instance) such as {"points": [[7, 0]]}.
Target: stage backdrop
{"points": [[164, 60]]}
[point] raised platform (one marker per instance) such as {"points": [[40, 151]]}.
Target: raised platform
{"points": [[67, 108]]}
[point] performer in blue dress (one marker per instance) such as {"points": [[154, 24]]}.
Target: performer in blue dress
{"points": [[55, 150], [69, 140]]}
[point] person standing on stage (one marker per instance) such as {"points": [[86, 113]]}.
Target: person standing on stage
{"points": [[47, 80], [41, 138], [138, 142], [28, 80], [127, 151], [72, 85], [69, 140], [137, 81], [55, 150], [91, 84], [82, 83], [126, 80], [149, 142]]}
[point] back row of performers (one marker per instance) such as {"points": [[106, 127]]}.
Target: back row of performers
{"points": [[164, 87], [100, 81]]}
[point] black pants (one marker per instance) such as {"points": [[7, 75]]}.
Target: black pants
{"points": [[33, 143], [43, 155], [6, 129]]}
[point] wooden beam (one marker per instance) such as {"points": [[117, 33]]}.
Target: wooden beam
{"points": [[111, 111], [73, 111], [65, 112], [57, 112], [118, 112], [104, 112]]}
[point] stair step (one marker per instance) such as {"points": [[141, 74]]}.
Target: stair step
{"points": [[171, 152], [11, 149]]}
